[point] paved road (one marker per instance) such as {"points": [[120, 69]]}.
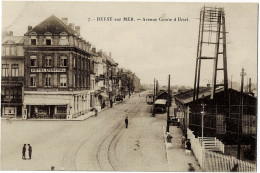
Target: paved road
{"points": [[98, 143]]}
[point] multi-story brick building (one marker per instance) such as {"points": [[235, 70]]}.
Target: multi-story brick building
{"points": [[59, 73], [12, 75]]}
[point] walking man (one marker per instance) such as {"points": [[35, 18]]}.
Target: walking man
{"points": [[24, 150], [30, 151], [126, 122], [111, 103], [191, 168]]}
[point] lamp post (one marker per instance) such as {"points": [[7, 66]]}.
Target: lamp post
{"points": [[202, 120], [168, 104]]}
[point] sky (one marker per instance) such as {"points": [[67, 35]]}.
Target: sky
{"points": [[150, 49]]}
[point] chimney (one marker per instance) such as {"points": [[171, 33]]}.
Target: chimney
{"points": [[65, 21], [94, 50], [71, 25], [77, 29], [10, 33], [29, 28], [250, 90]]}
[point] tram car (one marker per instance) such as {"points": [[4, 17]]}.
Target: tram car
{"points": [[160, 106], [149, 99]]}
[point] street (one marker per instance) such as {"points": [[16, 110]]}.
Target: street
{"points": [[99, 143]]}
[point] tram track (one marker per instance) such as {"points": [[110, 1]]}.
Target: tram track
{"points": [[68, 161], [108, 150]]}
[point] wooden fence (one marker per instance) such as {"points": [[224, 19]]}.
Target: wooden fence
{"points": [[212, 144], [215, 162], [212, 161]]}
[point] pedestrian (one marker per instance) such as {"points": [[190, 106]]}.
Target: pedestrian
{"points": [[24, 151], [169, 137], [178, 123], [191, 168], [111, 103], [52, 168], [96, 112], [126, 122], [188, 147], [30, 151], [183, 140]]}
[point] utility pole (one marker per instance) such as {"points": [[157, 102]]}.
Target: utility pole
{"points": [[154, 92], [202, 120], [168, 104], [242, 74]]}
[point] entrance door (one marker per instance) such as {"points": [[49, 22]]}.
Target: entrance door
{"points": [[51, 111]]}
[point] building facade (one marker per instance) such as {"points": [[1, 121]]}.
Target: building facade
{"points": [[58, 71], [12, 75]]}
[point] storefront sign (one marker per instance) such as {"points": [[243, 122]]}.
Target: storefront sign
{"points": [[48, 90], [45, 70], [180, 115]]}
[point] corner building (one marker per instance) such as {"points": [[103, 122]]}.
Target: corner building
{"points": [[57, 71]]}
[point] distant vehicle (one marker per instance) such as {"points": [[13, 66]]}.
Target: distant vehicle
{"points": [[160, 106], [173, 121], [149, 99]]}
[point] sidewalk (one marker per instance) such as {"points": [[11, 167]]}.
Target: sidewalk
{"points": [[177, 159]]}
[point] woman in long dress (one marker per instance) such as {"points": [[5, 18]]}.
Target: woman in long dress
{"points": [[27, 152]]}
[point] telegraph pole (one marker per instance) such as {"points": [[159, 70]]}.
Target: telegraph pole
{"points": [[242, 74], [154, 88], [168, 104]]}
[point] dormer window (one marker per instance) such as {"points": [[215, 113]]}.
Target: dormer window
{"points": [[33, 41], [48, 41]]}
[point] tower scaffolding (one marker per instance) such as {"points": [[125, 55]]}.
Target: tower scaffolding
{"points": [[212, 35]]}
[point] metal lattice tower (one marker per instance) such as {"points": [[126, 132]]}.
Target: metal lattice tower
{"points": [[211, 46]]}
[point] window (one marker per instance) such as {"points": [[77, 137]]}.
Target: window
{"points": [[33, 61], [5, 69], [33, 41], [15, 70], [48, 80], [33, 80], [220, 124], [61, 109], [48, 61], [63, 80], [48, 41], [74, 62], [63, 61]]}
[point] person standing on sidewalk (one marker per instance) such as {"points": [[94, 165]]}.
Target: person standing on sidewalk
{"points": [[126, 122], [188, 147], [183, 140], [24, 151], [30, 151]]}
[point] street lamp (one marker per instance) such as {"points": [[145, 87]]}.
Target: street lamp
{"points": [[202, 120]]}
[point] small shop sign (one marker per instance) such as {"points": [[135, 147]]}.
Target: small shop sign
{"points": [[45, 70]]}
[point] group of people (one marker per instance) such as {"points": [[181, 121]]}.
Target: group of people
{"points": [[27, 152]]}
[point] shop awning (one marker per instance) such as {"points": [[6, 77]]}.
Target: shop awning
{"points": [[160, 102], [45, 100]]}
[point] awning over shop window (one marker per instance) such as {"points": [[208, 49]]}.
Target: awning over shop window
{"points": [[45, 100]]}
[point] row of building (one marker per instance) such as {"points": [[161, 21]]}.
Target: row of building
{"points": [[52, 72]]}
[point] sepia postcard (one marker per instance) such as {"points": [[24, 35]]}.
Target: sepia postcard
{"points": [[129, 86]]}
